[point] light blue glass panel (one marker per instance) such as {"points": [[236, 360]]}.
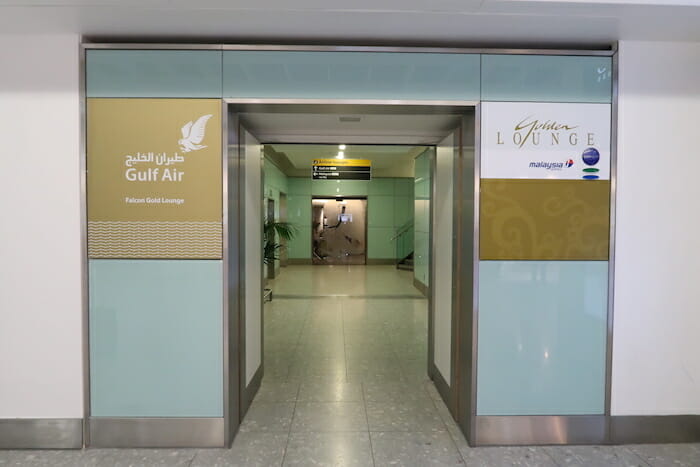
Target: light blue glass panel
{"points": [[351, 75], [156, 347], [546, 78], [153, 73], [542, 329]]}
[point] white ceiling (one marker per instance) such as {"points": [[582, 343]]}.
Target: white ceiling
{"points": [[328, 128], [415, 22], [382, 157]]}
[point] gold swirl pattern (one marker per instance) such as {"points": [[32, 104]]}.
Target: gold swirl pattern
{"points": [[167, 240], [544, 219]]}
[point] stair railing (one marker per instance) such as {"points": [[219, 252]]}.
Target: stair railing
{"points": [[403, 241]]}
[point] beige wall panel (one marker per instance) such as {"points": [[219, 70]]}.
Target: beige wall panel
{"points": [[544, 219], [154, 178]]}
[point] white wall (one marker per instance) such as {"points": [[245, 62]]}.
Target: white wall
{"points": [[41, 373], [656, 351], [253, 254], [443, 204]]}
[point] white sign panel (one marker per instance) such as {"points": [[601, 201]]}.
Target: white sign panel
{"points": [[545, 141]]}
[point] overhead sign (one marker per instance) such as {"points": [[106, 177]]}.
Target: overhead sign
{"points": [[341, 169], [545, 141], [154, 170]]}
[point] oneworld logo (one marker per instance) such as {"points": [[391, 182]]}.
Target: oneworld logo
{"points": [[193, 134]]}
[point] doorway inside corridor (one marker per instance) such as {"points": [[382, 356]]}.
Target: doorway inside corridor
{"points": [[354, 338], [339, 231]]}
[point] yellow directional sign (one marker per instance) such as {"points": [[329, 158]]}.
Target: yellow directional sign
{"points": [[341, 169]]}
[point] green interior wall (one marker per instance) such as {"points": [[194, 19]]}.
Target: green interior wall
{"points": [[274, 183]]}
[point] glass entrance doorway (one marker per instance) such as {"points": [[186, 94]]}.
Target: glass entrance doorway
{"points": [[339, 231]]}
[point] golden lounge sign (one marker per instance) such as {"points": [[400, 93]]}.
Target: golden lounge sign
{"points": [[154, 178], [545, 141]]}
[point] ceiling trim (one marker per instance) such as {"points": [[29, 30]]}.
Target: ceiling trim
{"points": [[611, 50]]}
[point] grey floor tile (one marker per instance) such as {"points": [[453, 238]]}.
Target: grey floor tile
{"points": [[50, 458], [329, 417], [373, 364], [249, 449], [268, 417], [144, 457], [277, 391], [336, 449], [378, 375], [414, 449], [394, 391], [521, 456], [432, 391], [404, 416], [594, 456], [669, 455], [327, 391]]}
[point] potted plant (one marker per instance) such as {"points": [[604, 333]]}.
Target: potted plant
{"points": [[272, 232]]}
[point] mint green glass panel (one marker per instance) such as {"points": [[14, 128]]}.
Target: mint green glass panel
{"points": [[542, 337], [381, 186], [379, 243], [380, 211], [546, 78], [351, 75], [300, 246], [153, 73], [403, 210], [421, 206], [299, 214], [404, 186], [299, 186], [339, 187], [156, 347], [404, 244], [275, 178]]}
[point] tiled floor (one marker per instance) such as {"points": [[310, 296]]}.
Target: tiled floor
{"points": [[345, 385], [344, 280]]}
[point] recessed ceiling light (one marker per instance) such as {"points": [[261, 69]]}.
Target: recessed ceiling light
{"points": [[341, 147]]}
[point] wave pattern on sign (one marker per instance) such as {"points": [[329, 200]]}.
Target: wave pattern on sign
{"points": [[184, 240]]}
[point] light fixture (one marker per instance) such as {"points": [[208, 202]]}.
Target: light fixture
{"points": [[341, 155], [341, 147]]}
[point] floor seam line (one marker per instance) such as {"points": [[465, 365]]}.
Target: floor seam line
{"points": [[369, 432], [289, 433], [639, 456]]}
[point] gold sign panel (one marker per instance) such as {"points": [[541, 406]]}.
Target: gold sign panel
{"points": [[544, 219], [154, 169]]}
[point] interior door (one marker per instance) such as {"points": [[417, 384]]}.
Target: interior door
{"points": [[442, 258], [245, 271], [339, 231], [452, 270]]}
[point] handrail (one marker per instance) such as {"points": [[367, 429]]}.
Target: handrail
{"points": [[402, 230]]}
